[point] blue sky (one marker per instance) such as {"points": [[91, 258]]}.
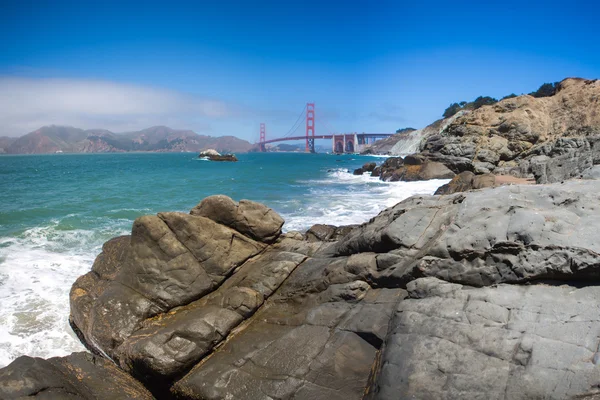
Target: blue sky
{"points": [[223, 67]]}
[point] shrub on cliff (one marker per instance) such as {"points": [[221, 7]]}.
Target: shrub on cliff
{"points": [[473, 105], [546, 90], [452, 109], [405, 130], [483, 101]]}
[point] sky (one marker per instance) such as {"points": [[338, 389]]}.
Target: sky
{"points": [[223, 67]]}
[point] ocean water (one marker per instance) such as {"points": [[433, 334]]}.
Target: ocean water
{"points": [[56, 211]]}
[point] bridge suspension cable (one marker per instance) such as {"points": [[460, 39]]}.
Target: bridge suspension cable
{"points": [[297, 124]]}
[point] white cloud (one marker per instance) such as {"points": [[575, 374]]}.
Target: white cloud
{"points": [[27, 104]]}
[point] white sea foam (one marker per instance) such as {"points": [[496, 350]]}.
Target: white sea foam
{"points": [[37, 269], [344, 199]]}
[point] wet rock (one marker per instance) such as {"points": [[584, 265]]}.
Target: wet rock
{"points": [[214, 155], [367, 167]]}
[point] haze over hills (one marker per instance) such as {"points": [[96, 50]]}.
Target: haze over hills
{"points": [[54, 138]]}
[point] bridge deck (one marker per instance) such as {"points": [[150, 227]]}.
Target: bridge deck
{"points": [[368, 135]]}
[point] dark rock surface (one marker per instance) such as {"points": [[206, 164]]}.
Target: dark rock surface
{"points": [[78, 376], [367, 167], [485, 294]]}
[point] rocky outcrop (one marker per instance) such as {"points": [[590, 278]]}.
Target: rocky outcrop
{"points": [[408, 141], [552, 138], [367, 167], [214, 155], [485, 294], [411, 168]]}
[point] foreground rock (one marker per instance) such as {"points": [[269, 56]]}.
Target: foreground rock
{"points": [[213, 155], [485, 294], [78, 376]]}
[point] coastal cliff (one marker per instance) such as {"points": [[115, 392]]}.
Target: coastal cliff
{"points": [[487, 293], [549, 138]]}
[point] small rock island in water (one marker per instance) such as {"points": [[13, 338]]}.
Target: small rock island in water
{"points": [[214, 155]]}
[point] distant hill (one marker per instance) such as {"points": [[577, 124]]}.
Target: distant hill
{"points": [[5, 142], [287, 147], [52, 139]]}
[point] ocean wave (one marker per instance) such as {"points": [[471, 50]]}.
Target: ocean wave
{"points": [[343, 198], [37, 269]]}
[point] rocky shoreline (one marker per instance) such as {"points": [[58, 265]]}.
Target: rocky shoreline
{"points": [[490, 293]]}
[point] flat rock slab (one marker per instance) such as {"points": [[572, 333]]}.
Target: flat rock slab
{"points": [[449, 341], [314, 350]]}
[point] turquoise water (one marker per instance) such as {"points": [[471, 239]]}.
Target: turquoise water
{"points": [[57, 210]]}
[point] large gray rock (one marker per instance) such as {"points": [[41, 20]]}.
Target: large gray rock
{"points": [[449, 341]]}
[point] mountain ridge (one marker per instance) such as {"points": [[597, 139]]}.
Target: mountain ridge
{"points": [[67, 139]]}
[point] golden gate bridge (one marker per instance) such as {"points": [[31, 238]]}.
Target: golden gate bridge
{"points": [[340, 142]]}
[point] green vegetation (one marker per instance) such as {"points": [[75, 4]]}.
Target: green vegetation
{"points": [[546, 90], [474, 105], [405, 130]]}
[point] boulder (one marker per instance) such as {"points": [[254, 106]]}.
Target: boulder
{"points": [[327, 233], [421, 172], [467, 181], [367, 167], [460, 183], [247, 217], [77, 376], [214, 155]]}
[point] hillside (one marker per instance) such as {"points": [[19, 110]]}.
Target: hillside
{"points": [[550, 138], [5, 141], [52, 139]]}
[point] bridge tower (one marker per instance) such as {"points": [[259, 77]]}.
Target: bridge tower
{"points": [[262, 140], [310, 127]]}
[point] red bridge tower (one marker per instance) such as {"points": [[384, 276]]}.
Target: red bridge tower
{"points": [[310, 127], [262, 140]]}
